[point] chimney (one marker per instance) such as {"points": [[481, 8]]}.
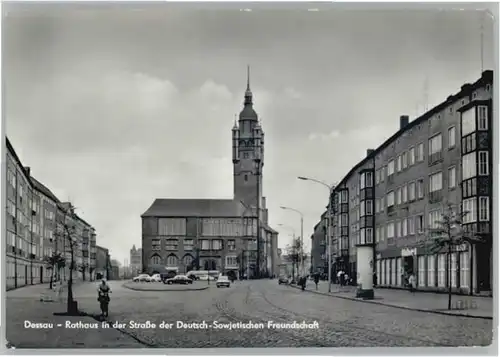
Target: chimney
{"points": [[466, 86], [28, 171], [264, 203], [369, 152], [403, 121]]}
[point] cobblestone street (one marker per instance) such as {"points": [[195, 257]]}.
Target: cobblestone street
{"points": [[342, 323]]}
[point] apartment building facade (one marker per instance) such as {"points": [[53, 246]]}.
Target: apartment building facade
{"points": [[32, 213], [396, 196], [319, 247]]}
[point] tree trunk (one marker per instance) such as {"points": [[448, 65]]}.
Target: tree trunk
{"points": [[449, 277], [51, 278], [70, 285]]}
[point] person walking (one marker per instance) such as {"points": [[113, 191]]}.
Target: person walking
{"points": [[340, 278], [412, 283], [316, 280]]}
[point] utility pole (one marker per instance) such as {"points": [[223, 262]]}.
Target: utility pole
{"points": [[257, 161], [32, 256], [482, 43], [302, 245]]}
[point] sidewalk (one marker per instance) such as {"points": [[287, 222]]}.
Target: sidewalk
{"points": [[24, 304], [468, 306]]}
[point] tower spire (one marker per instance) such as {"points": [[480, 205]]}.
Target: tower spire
{"points": [[248, 92]]}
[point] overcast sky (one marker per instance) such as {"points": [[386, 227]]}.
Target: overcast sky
{"points": [[114, 108]]}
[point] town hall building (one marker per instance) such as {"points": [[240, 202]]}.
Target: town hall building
{"points": [[221, 235]]}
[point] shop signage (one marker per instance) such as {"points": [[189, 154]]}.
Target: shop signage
{"points": [[408, 252]]}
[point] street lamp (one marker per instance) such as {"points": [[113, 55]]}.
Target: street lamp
{"points": [[301, 235], [330, 220]]}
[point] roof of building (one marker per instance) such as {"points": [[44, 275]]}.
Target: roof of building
{"points": [[466, 89], [44, 189], [14, 154], [269, 229], [173, 207], [98, 247]]}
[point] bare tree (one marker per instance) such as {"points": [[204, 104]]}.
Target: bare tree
{"points": [[82, 268], [447, 234], [54, 262], [67, 230], [293, 251]]}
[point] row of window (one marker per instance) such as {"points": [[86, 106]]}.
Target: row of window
{"points": [[415, 190], [428, 274], [229, 227], [187, 260], [401, 163], [188, 244], [210, 227], [415, 224]]}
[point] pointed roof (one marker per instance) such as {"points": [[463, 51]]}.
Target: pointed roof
{"points": [[248, 113]]}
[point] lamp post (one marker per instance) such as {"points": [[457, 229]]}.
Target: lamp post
{"points": [[301, 236], [330, 220]]}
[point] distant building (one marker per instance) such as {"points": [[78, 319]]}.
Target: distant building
{"points": [[103, 262], [115, 273], [135, 260], [217, 234], [319, 263]]}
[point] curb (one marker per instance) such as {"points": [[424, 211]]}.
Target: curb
{"points": [[396, 306], [135, 289]]}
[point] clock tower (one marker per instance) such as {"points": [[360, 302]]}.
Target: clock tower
{"points": [[248, 153]]}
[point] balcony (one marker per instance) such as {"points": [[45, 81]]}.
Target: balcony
{"points": [[435, 196], [435, 158]]}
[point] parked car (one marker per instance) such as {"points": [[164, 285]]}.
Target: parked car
{"points": [[179, 279], [206, 277], [223, 281], [282, 280], [141, 278], [156, 278]]}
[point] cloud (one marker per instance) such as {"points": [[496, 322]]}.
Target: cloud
{"points": [[328, 136], [292, 93]]}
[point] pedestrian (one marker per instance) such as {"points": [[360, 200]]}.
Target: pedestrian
{"points": [[374, 279], [346, 279], [412, 283], [303, 282], [316, 280], [340, 277]]}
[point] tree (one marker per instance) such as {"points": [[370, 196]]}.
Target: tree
{"points": [[447, 234], [67, 230], [82, 268], [294, 252], [53, 263]]}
